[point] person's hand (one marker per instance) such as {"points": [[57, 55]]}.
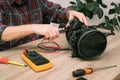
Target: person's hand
{"points": [[49, 31], [71, 14]]}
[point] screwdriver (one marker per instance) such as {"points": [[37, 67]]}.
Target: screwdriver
{"points": [[7, 61], [82, 72]]}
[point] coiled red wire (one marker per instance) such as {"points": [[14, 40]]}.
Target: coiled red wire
{"points": [[45, 47]]}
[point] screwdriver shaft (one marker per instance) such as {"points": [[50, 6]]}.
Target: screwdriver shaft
{"points": [[16, 63], [96, 69]]}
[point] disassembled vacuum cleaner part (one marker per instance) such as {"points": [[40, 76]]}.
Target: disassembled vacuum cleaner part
{"points": [[88, 43]]}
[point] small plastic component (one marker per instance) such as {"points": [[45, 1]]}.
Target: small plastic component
{"points": [[82, 72], [35, 60], [81, 78]]}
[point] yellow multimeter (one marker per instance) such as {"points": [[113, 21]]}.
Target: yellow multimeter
{"points": [[35, 60]]}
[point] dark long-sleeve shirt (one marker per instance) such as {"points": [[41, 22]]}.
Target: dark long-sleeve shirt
{"points": [[30, 12]]}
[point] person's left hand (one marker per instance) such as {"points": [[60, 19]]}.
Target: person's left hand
{"points": [[71, 14]]}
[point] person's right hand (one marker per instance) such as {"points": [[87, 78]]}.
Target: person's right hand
{"points": [[49, 31]]}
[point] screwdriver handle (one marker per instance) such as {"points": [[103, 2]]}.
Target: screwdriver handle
{"points": [[82, 72], [4, 60], [88, 70], [7, 61]]}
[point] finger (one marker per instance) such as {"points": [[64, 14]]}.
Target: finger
{"points": [[52, 34], [80, 19], [70, 18], [83, 19], [67, 25], [56, 31], [69, 21], [46, 37]]}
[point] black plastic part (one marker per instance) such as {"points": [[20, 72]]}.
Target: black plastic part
{"points": [[91, 44], [78, 72], [36, 58], [81, 78], [88, 43]]}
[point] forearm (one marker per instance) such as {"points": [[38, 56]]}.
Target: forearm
{"points": [[15, 32], [47, 30]]}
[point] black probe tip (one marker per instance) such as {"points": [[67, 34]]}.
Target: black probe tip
{"points": [[25, 66]]}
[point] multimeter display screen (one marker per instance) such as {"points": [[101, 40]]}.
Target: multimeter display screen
{"points": [[36, 58]]}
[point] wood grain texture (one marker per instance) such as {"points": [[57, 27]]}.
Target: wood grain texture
{"points": [[63, 63]]}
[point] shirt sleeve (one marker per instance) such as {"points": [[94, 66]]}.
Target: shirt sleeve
{"points": [[2, 26], [54, 12]]}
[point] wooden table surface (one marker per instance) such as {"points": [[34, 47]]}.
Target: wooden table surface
{"points": [[63, 64]]}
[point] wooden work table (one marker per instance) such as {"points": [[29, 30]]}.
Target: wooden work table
{"points": [[63, 64]]}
